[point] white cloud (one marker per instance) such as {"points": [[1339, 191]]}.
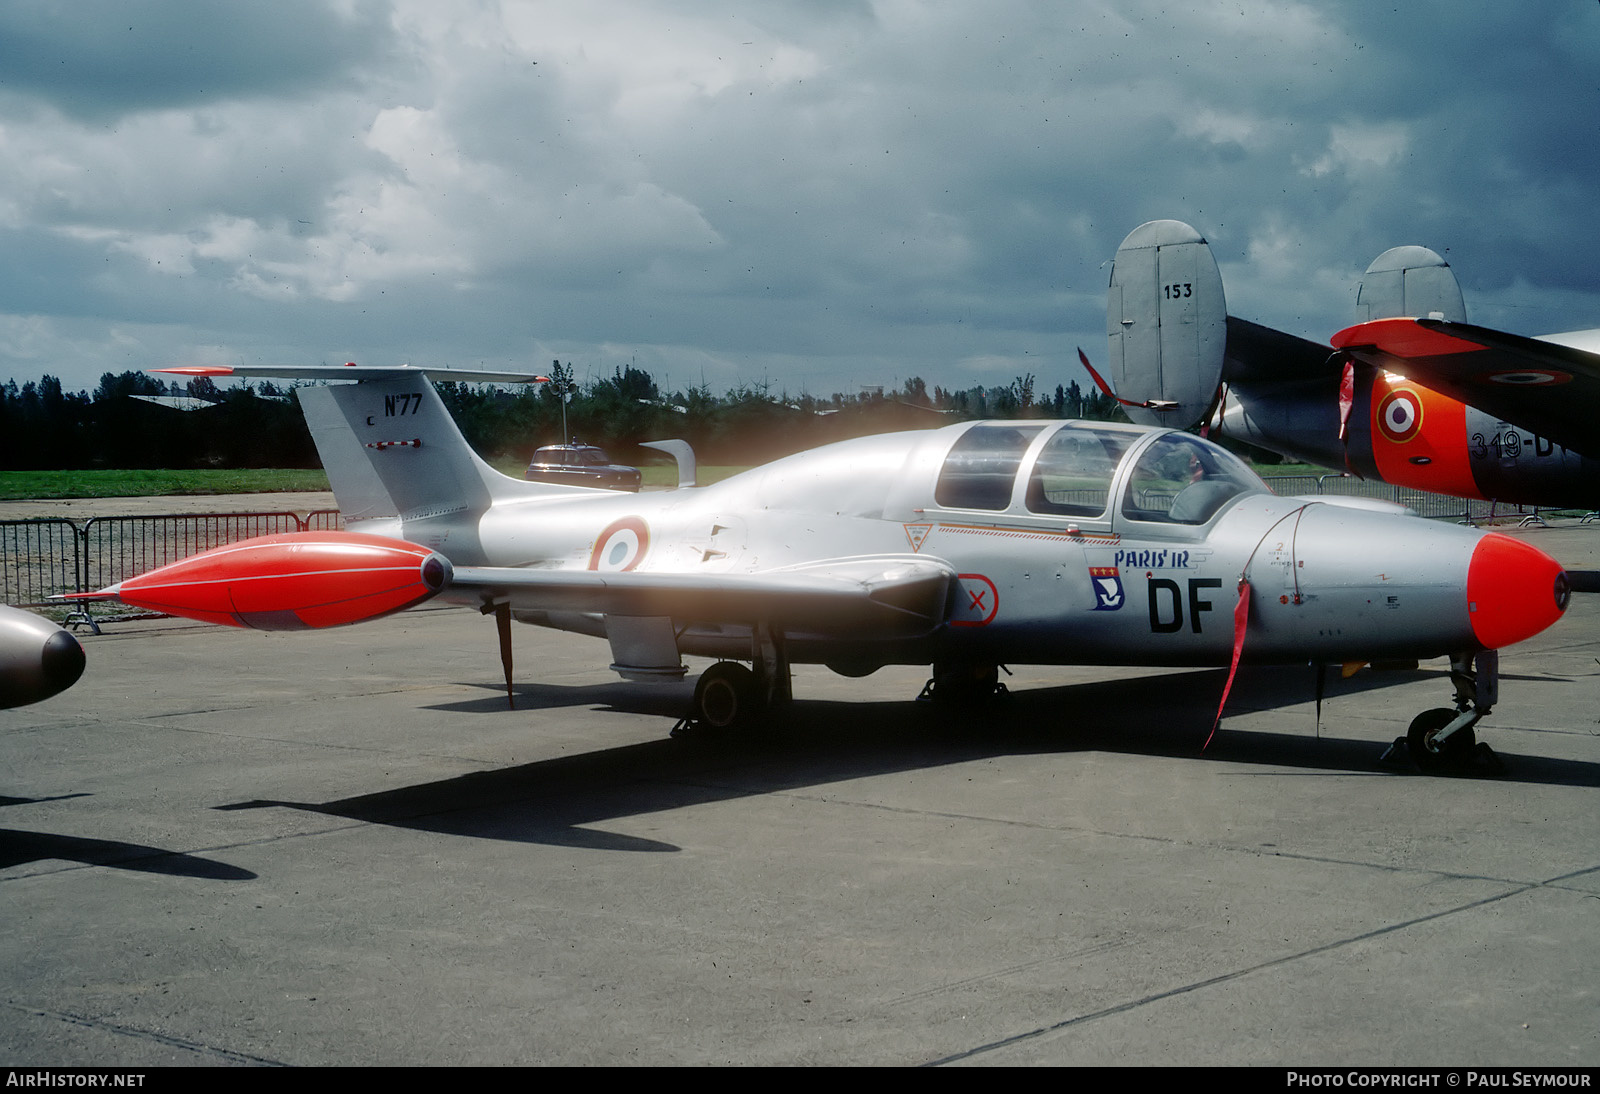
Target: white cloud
{"points": [[820, 190], [1361, 148]]}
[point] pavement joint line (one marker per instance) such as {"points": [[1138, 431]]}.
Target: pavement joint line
{"points": [[309, 743], [70, 866], [1167, 840], [1222, 978], [143, 1035]]}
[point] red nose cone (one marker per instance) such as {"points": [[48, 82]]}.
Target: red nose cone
{"points": [[1514, 591]]}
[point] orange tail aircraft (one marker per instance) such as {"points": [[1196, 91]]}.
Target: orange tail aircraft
{"points": [[1412, 395]]}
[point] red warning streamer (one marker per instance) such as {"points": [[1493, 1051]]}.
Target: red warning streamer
{"points": [[1241, 622]]}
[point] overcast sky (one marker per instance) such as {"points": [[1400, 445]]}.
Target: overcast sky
{"points": [[813, 195]]}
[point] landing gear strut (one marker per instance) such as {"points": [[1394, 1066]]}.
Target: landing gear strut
{"points": [[730, 696], [1442, 739], [962, 684]]}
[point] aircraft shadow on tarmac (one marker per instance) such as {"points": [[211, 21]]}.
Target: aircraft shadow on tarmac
{"points": [[18, 848], [821, 742]]}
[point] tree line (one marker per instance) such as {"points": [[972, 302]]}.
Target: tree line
{"points": [[43, 426]]}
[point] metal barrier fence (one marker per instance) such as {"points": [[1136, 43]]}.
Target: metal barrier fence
{"points": [[38, 559], [47, 556], [1433, 506]]}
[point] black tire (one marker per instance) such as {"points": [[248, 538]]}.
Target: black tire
{"points": [[725, 697], [960, 686], [1454, 751]]}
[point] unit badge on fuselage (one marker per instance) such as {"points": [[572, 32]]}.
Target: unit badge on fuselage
{"points": [[1107, 585]]}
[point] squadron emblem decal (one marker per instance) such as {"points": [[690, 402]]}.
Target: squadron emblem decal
{"points": [[1107, 585]]}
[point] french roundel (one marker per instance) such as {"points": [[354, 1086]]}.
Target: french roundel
{"points": [[1400, 415], [1528, 377], [621, 546]]}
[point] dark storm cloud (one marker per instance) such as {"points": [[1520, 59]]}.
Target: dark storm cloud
{"points": [[831, 194], [99, 59]]}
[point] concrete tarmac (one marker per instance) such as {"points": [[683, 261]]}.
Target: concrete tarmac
{"points": [[227, 847]]}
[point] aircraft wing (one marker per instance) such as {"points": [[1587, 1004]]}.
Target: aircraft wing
{"points": [[1255, 352], [1541, 385], [849, 598]]}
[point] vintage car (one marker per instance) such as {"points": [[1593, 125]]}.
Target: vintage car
{"points": [[580, 465]]}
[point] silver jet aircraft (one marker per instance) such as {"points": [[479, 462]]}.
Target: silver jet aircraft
{"points": [[966, 548]]}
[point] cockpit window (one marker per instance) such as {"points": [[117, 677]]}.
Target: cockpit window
{"points": [[1072, 475], [982, 467], [1183, 480]]}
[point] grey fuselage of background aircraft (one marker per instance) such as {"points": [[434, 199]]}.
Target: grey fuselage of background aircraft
{"points": [[966, 547], [1411, 395]]}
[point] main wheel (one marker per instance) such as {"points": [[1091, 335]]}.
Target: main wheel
{"points": [[964, 684], [725, 697], [1431, 756]]}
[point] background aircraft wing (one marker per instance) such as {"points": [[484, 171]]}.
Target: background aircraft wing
{"points": [[1541, 385], [851, 598], [1255, 352]]}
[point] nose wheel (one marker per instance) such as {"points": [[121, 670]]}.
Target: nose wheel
{"points": [[1442, 739], [1430, 749]]}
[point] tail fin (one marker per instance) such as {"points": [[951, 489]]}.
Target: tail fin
{"points": [[1411, 283], [391, 449], [1166, 322]]}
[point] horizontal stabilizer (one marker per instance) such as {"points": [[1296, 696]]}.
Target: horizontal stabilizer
{"points": [[353, 371]]}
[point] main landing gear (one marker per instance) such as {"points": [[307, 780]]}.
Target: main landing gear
{"points": [[731, 697], [1442, 739], [962, 685]]}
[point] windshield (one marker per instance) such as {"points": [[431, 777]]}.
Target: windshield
{"points": [[1182, 479]]}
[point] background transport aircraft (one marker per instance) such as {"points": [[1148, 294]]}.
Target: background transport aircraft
{"points": [[966, 547], [37, 658], [1411, 395]]}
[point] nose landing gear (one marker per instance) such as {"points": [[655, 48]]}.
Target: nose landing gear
{"points": [[1442, 739]]}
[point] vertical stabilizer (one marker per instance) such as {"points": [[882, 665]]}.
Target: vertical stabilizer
{"points": [[392, 444], [1412, 283], [391, 449], [1166, 323]]}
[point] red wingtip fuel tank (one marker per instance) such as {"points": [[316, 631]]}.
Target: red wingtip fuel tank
{"points": [[298, 581], [1514, 591]]}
